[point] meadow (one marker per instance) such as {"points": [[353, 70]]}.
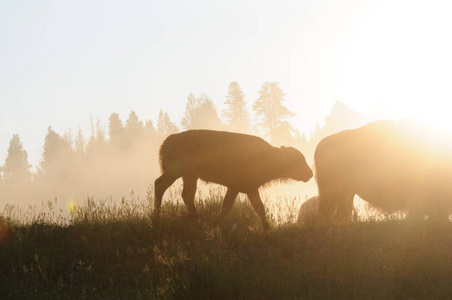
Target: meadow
{"points": [[109, 250]]}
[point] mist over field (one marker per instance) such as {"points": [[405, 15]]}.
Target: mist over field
{"points": [[120, 157], [89, 92]]}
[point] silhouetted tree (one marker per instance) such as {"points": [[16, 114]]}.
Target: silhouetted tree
{"points": [[300, 140], [97, 144], [270, 110], [235, 113], [341, 118], [79, 143], [301, 143], [134, 128], [150, 131], [316, 136], [16, 170], [57, 156], [200, 113], [164, 125], [115, 129], [281, 134]]}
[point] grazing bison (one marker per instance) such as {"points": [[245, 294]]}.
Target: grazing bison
{"points": [[309, 209], [241, 162], [394, 165]]}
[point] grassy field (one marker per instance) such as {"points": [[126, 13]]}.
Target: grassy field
{"points": [[105, 250]]}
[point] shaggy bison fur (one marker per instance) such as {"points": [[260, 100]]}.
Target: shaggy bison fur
{"points": [[241, 162], [394, 165]]}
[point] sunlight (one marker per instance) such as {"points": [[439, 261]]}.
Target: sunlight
{"points": [[72, 207], [438, 120], [403, 63]]}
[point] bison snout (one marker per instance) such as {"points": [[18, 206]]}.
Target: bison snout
{"points": [[304, 175], [308, 176]]}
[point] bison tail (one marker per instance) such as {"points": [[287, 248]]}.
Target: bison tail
{"points": [[162, 156], [168, 152]]}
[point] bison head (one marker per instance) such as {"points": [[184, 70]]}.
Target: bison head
{"points": [[295, 164]]}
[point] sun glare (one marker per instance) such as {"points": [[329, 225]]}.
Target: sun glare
{"points": [[401, 58], [440, 121], [72, 207]]}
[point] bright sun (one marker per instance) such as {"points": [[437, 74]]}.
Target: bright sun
{"points": [[401, 58]]}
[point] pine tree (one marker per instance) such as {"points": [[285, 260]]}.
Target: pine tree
{"points": [[57, 155], [150, 130], [270, 110], [164, 125], [133, 125], [16, 170], [316, 135], [200, 113], [235, 113], [80, 143], [341, 118], [115, 129]]}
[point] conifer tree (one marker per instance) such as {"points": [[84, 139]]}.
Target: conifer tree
{"points": [[16, 169], [200, 113], [235, 113], [270, 110], [165, 126], [57, 155], [115, 129]]}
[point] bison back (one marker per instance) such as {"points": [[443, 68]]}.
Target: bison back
{"points": [[215, 156], [382, 162]]}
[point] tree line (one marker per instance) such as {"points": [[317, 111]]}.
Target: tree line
{"points": [[124, 157]]}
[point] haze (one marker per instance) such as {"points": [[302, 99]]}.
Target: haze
{"points": [[64, 64]]}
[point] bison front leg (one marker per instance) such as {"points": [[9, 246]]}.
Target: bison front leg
{"points": [[228, 202], [345, 209], [259, 208], [326, 209]]}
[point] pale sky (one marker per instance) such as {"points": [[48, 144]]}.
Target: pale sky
{"points": [[62, 62]]}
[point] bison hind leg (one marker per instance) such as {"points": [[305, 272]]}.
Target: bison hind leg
{"points": [[188, 193], [161, 184]]}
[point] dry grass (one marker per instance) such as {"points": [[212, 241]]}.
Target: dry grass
{"points": [[110, 250]]}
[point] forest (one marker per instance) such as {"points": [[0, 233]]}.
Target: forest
{"points": [[123, 157]]}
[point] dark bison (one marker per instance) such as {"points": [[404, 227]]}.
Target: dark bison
{"points": [[308, 211], [394, 165], [241, 162]]}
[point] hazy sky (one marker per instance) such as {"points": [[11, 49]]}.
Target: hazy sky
{"points": [[62, 62]]}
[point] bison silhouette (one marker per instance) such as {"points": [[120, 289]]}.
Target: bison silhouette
{"points": [[241, 162], [394, 165], [308, 211]]}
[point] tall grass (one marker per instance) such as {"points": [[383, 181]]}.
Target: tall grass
{"points": [[112, 250]]}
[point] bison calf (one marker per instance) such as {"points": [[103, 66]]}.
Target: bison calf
{"points": [[241, 162]]}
